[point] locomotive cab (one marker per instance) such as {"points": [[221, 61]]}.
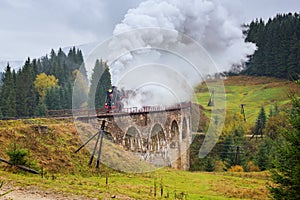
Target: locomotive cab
{"points": [[113, 100]]}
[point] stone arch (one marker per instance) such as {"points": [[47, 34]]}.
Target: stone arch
{"points": [[184, 132], [132, 139], [157, 138], [174, 134], [175, 145]]}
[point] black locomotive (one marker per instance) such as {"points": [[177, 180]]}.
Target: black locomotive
{"points": [[113, 100]]}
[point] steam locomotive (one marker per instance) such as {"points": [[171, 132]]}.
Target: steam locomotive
{"points": [[113, 100]]}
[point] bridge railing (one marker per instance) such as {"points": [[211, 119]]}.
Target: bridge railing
{"points": [[102, 111], [75, 112]]}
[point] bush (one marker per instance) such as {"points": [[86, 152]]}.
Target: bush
{"points": [[17, 156], [236, 168], [252, 167], [219, 166]]}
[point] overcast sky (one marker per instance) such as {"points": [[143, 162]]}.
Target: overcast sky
{"points": [[33, 27]]}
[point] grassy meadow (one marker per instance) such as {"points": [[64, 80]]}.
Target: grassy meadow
{"points": [[172, 184], [255, 92]]}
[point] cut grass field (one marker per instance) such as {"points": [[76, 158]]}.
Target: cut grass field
{"points": [[255, 92]]}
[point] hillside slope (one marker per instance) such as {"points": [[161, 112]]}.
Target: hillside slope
{"points": [[255, 92], [50, 142]]}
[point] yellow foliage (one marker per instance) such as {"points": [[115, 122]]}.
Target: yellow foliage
{"points": [[43, 82], [80, 90], [236, 168], [219, 166], [253, 167], [235, 121]]}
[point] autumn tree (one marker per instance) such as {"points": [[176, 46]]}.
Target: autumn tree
{"points": [[80, 91], [232, 141], [43, 83]]}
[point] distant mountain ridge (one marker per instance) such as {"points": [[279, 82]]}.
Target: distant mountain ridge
{"points": [[18, 64], [14, 64]]}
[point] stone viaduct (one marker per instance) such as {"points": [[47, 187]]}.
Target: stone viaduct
{"points": [[158, 135]]}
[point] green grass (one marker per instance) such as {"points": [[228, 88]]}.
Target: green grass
{"points": [[255, 92], [190, 185]]}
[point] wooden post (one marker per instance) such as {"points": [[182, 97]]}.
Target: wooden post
{"points": [[211, 100], [243, 111]]}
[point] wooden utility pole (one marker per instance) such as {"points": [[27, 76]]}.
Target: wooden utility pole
{"points": [[237, 156], [211, 100], [243, 111]]}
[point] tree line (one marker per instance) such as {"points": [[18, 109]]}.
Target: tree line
{"points": [[48, 83], [278, 47]]}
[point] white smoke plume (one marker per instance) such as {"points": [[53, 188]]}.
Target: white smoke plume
{"points": [[208, 22]]}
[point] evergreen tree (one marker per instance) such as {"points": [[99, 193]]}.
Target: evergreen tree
{"points": [[26, 94], [278, 43], [233, 151], [20, 97], [274, 111], [260, 122], [41, 109], [68, 96], [100, 83], [287, 164], [1, 83], [265, 154], [8, 94], [52, 99]]}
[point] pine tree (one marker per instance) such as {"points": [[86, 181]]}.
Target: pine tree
{"points": [[100, 83], [278, 47], [265, 154], [41, 109], [52, 99], [8, 94], [287, 164], [26, 94], [260, 122]]}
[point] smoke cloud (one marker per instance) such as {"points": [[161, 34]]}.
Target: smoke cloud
{"points": [[208, 22]]}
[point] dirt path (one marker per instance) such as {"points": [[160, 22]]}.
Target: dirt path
{"points": [[30, 193]]}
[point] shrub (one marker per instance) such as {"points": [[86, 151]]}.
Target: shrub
{"points": [[219, 166], [236, 168], [252, 167], [17, 156]]}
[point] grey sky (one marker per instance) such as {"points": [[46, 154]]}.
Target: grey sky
{"points": [[33, 27]]}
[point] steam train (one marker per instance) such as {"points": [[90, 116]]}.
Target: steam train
{"points": [[113, 100]]}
